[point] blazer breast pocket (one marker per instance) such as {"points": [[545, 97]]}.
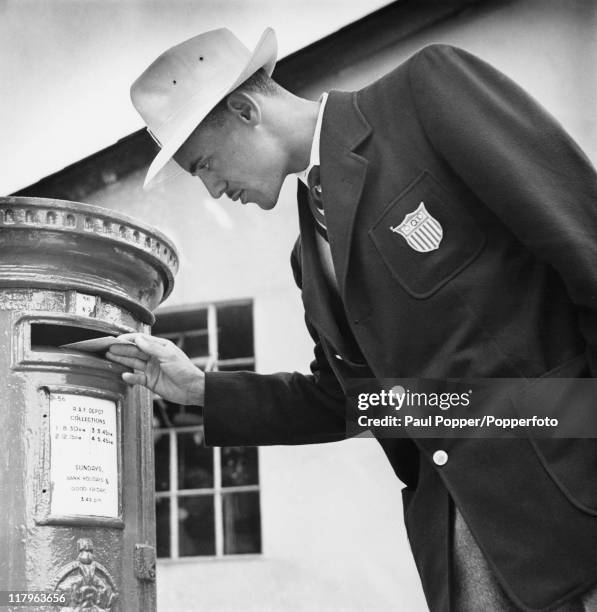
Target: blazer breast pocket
{"points": [[425, 237]]}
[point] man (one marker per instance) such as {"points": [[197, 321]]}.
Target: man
{"points": [[501, 283]]}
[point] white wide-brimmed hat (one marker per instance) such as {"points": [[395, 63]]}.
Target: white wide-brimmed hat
{"points": [[177, 91]]}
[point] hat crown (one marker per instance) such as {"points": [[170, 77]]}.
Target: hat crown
{"points": [[189, 70]]}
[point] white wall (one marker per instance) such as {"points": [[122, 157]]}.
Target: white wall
{"points": [[547, 46]]}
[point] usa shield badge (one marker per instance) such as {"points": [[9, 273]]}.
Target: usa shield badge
{"points": [[422, 232]]}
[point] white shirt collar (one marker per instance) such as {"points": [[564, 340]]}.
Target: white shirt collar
{"points": [[314, 159]]}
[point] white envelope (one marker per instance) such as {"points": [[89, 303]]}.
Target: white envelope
{"points": [[96, 345]]}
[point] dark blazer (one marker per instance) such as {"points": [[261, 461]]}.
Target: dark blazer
{"points": [[510, 292]]}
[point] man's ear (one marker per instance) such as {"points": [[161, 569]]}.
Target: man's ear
{"points": [[244, 107]]}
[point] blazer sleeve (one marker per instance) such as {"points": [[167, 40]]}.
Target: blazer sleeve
{"points": [[519, 161], [249, 409]]}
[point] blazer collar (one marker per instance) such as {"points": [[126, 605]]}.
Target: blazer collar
{"points": [[343, 173]]}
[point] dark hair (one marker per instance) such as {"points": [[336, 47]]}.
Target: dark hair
{"points": [[258, 82]]}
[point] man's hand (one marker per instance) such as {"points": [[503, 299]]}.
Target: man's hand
{"points": [[161, 366]]}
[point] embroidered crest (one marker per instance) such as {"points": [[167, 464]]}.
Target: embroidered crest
{"points": [[421, 231]]}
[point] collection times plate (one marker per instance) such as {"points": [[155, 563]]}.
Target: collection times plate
{"points": [[83, 456]]}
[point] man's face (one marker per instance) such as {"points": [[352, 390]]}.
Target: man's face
{"points": [[242, 160]]}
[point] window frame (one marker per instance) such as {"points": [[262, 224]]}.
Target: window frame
{"points": [[173, 494]]}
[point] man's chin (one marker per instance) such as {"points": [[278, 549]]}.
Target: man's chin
{"points": [[266, 205], [263, 201]]}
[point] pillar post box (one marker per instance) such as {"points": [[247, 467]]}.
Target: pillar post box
{"points": [[76, 456]]}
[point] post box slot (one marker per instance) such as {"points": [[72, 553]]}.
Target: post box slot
{"points": [[47, 336]]}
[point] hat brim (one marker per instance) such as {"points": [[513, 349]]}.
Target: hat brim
{"points": [[264, 56]]}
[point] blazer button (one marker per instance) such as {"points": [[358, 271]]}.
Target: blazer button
{"points": [[440, 457]]}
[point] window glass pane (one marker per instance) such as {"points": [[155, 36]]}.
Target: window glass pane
{"points": [[242, 526], [167, 414], [186, 416], [177, 322], [195, 461], [159, 416], [235, 331], [161, 445], [196, 530], [162, 520], [239, 466], [196, 344]]}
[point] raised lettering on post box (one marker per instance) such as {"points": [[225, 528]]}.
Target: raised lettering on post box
{"points": [[83, 456]]}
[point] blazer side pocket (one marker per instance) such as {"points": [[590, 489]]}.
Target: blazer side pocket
{"points": [[568, 395], [425, 238]]}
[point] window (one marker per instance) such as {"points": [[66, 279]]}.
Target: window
{"points": [[207, 499]]}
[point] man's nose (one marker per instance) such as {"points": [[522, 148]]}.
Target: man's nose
{"points": [[214, 185]]}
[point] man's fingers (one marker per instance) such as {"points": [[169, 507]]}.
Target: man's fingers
{"points": [[130, 336], [151, 345], [130, 362], [128, 350], [137, 378], [157, 347]]}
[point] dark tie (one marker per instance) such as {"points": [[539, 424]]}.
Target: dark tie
{"points": [[316, 202]]}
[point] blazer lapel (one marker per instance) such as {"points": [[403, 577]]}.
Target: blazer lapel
{"points": [[343, 174], [315, 291]]}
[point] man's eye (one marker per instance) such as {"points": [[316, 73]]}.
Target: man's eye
{"points": [[202, 165]]}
